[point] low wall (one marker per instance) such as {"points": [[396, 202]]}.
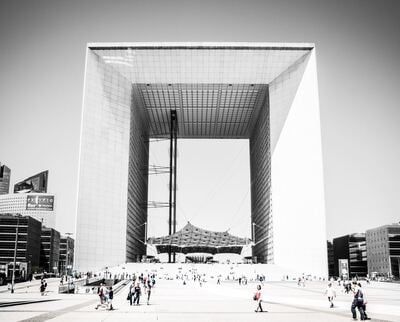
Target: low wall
{"points": [[233, 271]]}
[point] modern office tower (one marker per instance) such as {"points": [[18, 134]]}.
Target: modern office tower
{"points": [[66, 254], [28, 246], [351, 248], [37, 205], [5, 174], [331, 259], [49, 250], [36, 183], [383, 250], [266, 93]]}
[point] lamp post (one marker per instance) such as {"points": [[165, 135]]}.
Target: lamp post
{"points": [[15, 255]]}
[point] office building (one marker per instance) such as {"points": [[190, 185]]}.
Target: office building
{"points": [[36, 183], [5, 175], [353, 250], [28, 246], [266, 93], [331, 259], [66, 254], [40, 206], [383, 250], [49, 250]]}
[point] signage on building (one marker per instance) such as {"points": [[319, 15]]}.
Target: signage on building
{"points": [[37, 202], [344, 268]]}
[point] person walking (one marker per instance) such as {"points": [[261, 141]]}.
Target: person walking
{"points": [[110, 298], [258, 297], [131, 293], [42, 288], [358, 302], [331, 293], [137, 293], [148, 291], [364, 303], [102, 295]]}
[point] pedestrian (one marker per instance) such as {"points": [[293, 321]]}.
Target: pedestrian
{"points": [[110, 298], [101, 292], [258, 297], [45, 286], [331, 293], [364, 303], [42, 288], [358, 302], [137, 293], [148, 291], [130, 294]]}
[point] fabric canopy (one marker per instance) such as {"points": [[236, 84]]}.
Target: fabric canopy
{"points": [[191, 239]]}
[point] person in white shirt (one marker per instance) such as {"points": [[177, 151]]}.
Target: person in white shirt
{"points": [[331, 293]]}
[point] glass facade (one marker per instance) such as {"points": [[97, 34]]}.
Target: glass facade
{"points": [[66, 254], [36, 183], [104, 163], [137, 181], [260, 173], [353, 248], [49, 250], [383, 250], [28, 249], [5, 174]]}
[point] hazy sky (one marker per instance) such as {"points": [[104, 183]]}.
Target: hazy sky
{"points": [[42, 55]]}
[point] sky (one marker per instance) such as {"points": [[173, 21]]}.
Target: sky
{"points": [[42, 56]]}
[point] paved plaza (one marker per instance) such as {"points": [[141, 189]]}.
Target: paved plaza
{"points": [[173, 301]]}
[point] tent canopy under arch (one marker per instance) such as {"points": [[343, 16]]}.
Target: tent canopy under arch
{"points": [[192, 239]]}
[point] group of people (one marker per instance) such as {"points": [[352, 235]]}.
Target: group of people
{"points": [[135, 290], [359, 301], [142, 285], [106, 295]]}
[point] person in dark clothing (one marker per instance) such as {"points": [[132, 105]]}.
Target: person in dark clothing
{"points": [[110, 298], [358, 302], [131, 293], [42, 288], [137, 293], [149, 285], [364, 303]]}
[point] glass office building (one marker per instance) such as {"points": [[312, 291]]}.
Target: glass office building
{"points": [[36, 183], [5, 174], [266, 93], [352, 248], [49, 250], [28, 246], [383, 250]]}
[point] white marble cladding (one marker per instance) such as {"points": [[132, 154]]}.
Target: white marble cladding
{"points": [[103, 167]]}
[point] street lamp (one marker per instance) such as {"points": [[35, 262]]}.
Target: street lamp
{"points": [[15, 254]]}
